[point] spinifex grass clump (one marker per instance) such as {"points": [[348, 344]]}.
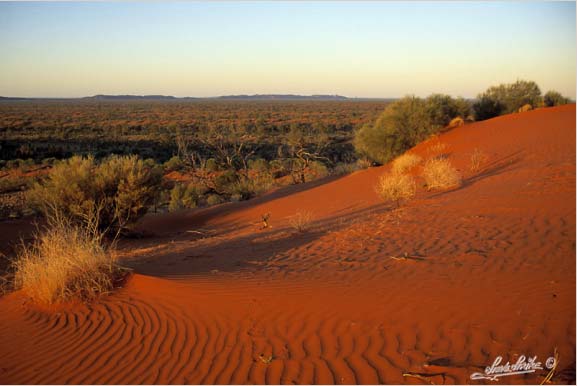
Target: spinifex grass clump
{"points": [[405, 162], [65, 262], [440, 174], [396, 188]]}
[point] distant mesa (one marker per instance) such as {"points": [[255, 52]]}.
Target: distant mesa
{"points": [[285, 97]]}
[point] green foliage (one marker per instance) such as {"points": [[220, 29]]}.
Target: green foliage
{"points": [[174, 163], [507, 99], [486, 107], [443, 108], [183, 196], [258, 165], [402, 125], [554, 98], [211, 165], [108, 195], [213, 199]]}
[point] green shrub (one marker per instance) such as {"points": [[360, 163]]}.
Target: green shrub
{"points": [[211, 165], [506, 99], [108, 195], [554, 98], [174, 163], [402, 125], [442, 109], [214, 199], [258, 165], [318, 169]]}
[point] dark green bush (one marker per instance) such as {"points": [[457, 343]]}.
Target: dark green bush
{"points": [[402, 125], [507, 99], [108, 195], [554, 98], [443, 108], [174, 163], [184, 196]]}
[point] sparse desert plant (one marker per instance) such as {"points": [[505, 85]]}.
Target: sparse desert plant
{"points": [[63, 263], [396, 188], [213, 199], [301, 221], [440, 174], [405, 162], [437, 149], [478, 159]]}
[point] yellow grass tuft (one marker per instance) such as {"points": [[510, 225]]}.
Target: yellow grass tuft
{"points": [[478, 159], [396, 187], [456, 122], [524, 108], [437, 149], [405, 162], [440, 174], [64, 263], [301, 221]]}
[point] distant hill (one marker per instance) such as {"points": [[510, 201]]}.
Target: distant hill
{"points": [[131, 97], [254, 97]]}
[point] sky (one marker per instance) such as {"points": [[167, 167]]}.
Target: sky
{"points": [[356, 49]]}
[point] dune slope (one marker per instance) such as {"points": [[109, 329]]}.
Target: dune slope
{"points": [[481, 271]]}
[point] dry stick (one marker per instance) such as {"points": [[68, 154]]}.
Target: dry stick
{"points": [[406, 257], [423, 377]]}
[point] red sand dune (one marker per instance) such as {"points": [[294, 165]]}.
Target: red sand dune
{"points": [[491, 271]]}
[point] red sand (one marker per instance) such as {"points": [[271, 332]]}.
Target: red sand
{"points": [[491, 272]]}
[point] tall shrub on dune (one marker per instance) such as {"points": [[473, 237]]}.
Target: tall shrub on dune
{"points": [[401, 125], [507, 99], [554, 98]]}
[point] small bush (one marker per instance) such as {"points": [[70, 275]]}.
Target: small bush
{"points": [[442, 109], [456, 122], [405, 162], [211, 165], [64, 263], [110, 194], [213, 199], [402, 125], [301, 221], [440, 174], [478, 158], [507, 99], [395, 187], [174, 163], [258, 165], [437, 149], [554, 98], [318, 169], [182, 196]]}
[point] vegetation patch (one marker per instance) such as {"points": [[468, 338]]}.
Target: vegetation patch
{"points": [[65, 262], [440, 174]]}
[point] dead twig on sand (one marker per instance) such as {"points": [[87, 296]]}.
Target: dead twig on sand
{"points": [[424, 377], [265, 217], [406, 256]]}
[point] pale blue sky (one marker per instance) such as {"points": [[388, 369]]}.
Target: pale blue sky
{"points": [[369, 49]]}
